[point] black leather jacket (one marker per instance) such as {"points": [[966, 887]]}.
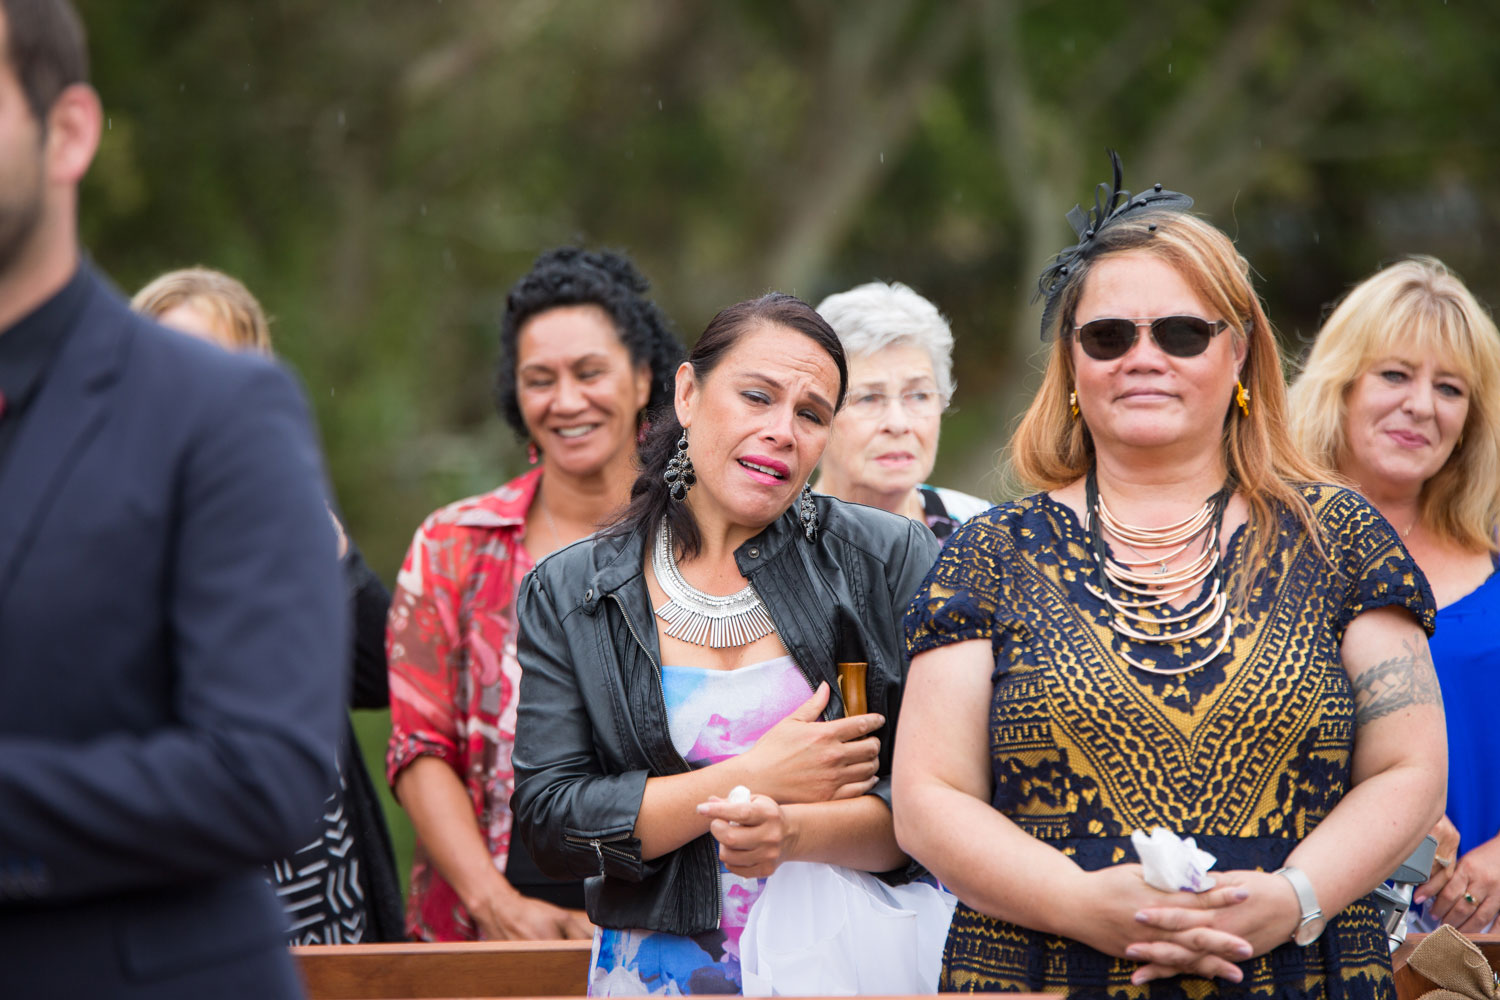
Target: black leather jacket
{"points": [[592, 724]]}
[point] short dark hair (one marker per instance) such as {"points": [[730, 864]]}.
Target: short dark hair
{"points": [[570, 276], [649, 498], [47, 49]]}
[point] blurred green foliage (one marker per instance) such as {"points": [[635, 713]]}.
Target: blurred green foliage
{"points": [[380, 172]]}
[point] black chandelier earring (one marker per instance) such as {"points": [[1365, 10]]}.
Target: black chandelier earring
{"points": [[679, 475], [807, 513]]}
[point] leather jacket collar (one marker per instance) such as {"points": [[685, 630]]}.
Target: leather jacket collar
{"points": [[617, 559]]}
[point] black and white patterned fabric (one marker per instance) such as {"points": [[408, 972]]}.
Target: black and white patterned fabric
{"points": [[321, 887]]}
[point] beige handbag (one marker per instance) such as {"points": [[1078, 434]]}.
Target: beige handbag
{"points": [[1455, 965]]}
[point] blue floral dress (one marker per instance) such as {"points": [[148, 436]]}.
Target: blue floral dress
{"points": [[713, 715], [1246, 754]]}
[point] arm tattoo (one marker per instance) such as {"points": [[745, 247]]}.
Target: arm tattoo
{"points": [[1394, 684]]}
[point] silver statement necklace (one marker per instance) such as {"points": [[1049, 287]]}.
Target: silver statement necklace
{"points": [[703, 619]]}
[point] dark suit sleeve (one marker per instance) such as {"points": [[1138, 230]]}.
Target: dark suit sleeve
{"points": [[370, 603], [256, 619]]}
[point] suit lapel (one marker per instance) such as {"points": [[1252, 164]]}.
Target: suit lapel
{"points": [[67, 412]]}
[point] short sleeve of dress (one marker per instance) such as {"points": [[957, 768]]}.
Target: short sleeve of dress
{"points": [[1376, 569], [962, 596]]}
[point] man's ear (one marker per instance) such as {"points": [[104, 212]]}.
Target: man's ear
{"points": [[73, 129]]}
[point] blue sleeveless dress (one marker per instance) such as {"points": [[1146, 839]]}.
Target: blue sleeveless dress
{"points": [[1466, 653]]}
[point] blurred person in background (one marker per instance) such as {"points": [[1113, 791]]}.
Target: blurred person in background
{"points": [[885, 439], [208, 304], [172, 623], [1399, 393], [692, 648], [1182, 629], [584, 357], [341, 887]]}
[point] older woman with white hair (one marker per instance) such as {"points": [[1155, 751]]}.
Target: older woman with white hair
{"points": [[884, 440]]}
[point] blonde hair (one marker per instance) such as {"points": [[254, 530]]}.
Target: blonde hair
{"points": [[1051, 448], [223, 299], [1413, 309]]}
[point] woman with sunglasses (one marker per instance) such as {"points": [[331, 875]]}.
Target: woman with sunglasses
{"points": [[1183, 629], [1399, 391], [884, 441]]}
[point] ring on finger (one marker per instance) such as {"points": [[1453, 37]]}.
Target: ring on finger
{"points": [[1469, 898], [1444, 862]]}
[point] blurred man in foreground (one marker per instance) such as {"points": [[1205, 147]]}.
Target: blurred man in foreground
{"points": [[172, 621]]}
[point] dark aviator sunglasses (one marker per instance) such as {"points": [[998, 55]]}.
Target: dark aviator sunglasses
{"points": [[1179, 336]]}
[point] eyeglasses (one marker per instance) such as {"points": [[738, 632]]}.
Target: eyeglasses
{"points": [[1179, 336], [917, 403]]}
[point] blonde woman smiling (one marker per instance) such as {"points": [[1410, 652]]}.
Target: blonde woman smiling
{"points": [[1399, 393]]}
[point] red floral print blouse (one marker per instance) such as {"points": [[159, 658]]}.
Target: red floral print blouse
{"points": [[455, 680]]}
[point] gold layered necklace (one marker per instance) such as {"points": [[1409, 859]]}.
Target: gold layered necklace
{"points": [[1139, 591]]}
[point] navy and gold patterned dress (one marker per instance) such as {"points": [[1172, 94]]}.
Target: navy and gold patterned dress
{"points": [[1246, 754]]}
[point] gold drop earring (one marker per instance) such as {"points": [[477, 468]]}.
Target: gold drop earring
{"points": [[1242, 397]]}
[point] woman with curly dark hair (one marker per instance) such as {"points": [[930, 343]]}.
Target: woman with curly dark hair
{"points": [[584, 357]]}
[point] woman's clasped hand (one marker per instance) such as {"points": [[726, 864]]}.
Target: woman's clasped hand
{"points": [[799, 760], [1245, 914], [754, 836], [511, 916], [803, 759]]}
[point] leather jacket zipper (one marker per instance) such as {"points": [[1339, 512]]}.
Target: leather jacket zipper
{"points": [[602, 844], [660, 686], [812, 685]]}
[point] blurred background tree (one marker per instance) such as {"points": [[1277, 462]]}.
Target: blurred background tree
{"points": [[380, 172]]}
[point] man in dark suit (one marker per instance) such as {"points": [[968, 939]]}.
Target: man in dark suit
{"points": [[172, 619]]}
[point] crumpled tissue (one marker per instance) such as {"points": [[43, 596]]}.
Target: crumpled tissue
{"points": [[1172, 863]]}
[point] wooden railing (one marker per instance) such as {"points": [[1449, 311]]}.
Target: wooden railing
{"points": [[494, 969], [1411, 984], [471, 970], [482, 969]]}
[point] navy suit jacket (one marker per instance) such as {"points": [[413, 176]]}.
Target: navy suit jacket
{"points": [[173, 634]]}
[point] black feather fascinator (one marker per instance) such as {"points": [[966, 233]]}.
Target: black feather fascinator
{"points": [[1111, 203]]}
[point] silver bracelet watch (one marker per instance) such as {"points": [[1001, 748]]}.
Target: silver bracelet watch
{"points": [[1312, 923]]}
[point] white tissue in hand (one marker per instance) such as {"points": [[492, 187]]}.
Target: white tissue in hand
{"points": [[1172, 863], [737, 795]]}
